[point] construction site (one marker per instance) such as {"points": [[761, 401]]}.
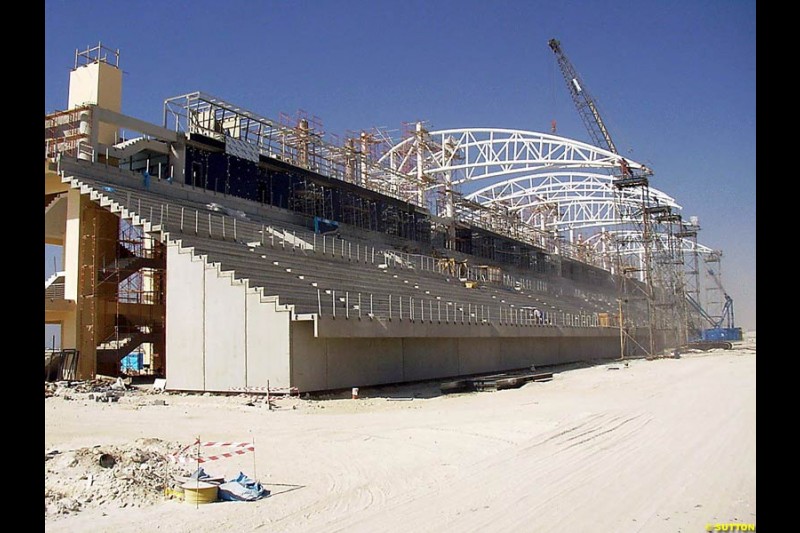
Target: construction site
{"points": [[224, 251]]}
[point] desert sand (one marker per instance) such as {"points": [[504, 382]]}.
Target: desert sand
{"points": [[641, 445]]}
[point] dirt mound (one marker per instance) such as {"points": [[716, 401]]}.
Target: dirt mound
{"points": [[121, 476]]}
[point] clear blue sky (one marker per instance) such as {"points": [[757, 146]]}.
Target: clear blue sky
{"points": [[675, 81]]}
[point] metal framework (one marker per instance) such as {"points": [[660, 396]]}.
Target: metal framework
{"points": [[551, 191], [472, 154], [551, 184], [564, 189], [584, 200], [303, 144], [97, 54]]}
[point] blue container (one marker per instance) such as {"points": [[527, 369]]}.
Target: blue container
{"points": [[722, 334], [133, 361]]}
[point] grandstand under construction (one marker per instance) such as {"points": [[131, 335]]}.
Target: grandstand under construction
{"points": [[236, 252]]}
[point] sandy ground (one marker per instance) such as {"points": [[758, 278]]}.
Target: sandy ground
{"points": [[664, 445]]}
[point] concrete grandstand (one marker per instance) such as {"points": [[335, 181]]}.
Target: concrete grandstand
{"points": [[237, 264]]}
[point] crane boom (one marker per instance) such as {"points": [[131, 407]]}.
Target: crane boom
{"points": [[583, 100]]}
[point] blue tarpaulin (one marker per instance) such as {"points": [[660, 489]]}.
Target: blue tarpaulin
{"points": [[200, 474], [133, 361], [323, 225], [242, 488]]}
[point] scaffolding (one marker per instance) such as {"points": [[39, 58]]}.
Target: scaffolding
{"points": [[298, 140], [358, 211], [688, 234], [97, 54], [668, 273], [312, 199], [63, 133], [657, 262], [134, 278]]}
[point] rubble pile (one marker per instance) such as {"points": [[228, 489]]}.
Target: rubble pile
{"points": [[99, 389], [90, 385], [134, 475]]}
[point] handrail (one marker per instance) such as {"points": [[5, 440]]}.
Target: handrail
{"points": [[240, 230]]}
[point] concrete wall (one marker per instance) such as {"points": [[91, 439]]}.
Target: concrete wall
{"points": [[221, 335], [309, 362], [267, 348], [96, 83], [429, 358], [372, 360], [185, 320], [344, 361], [224, 331], [479, 355]]}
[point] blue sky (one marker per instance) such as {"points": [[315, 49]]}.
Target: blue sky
{"points": [[675, 80]]}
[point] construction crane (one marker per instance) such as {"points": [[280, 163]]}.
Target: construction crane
{"points": [[723, 326], [659, 276], [587, 109], [583, 100]]}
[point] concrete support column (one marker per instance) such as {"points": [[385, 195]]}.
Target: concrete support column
{"points": [[69, 330], [98, 232], [72, 241]]}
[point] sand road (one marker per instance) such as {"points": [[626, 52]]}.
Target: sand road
{"points": [[666, 445]]}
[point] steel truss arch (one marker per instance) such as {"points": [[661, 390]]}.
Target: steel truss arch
{"points": [[633, 242], [629, 247], [471, 154], [581, 199]]}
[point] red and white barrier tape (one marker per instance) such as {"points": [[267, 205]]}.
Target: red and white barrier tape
{"points": [[243, 447], [271, 390]]}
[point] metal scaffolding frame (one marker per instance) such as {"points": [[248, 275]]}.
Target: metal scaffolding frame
{"points": [[632, 230], [301, 143], [137, 279]]}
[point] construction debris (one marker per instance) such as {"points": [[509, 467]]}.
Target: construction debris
{"points": [[493, 382], [133, 475], [709, 345]]}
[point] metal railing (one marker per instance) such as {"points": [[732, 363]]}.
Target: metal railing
{"points": [[353, 304]]}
